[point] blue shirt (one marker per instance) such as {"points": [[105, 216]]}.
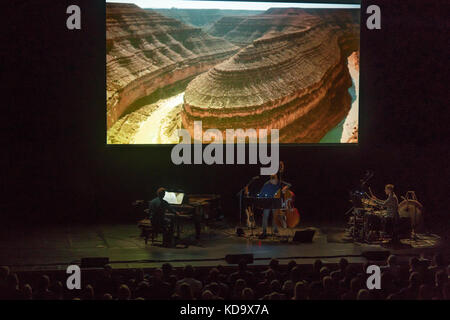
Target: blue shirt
{"points": [[268, 190]]}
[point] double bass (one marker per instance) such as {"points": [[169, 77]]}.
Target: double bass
{"points": [[288, 216]]}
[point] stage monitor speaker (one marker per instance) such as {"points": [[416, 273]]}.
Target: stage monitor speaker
{"points": [[236, 258], [304, 236], [97, 262], [381, 255]]}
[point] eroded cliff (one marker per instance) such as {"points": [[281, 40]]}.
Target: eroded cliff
{"points": [[295, 81], [147, 51]]}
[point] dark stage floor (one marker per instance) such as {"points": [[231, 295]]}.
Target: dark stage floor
{"points": [[55, 247]]}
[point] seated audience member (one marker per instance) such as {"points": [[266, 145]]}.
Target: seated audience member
{"points": [[42, 292], [88, 293], [414, 265], [388, 286], [343, 263], [27, 292], [300, 291], [159, 289], [11, 291], [4, 273], [214, 287], [58, 291], [324, 271], [275, 286], [438, 264], [296, 274], [123, 293], [139, 275], [363, 294], [247, 294], [238, 287], [291, 265], [441, 280], [242, 273], [143, 290], [392, 266], [105, 283], [315, 290], [355, 286], [412, 291], [274, 264], [263, 287], [288, 288], [330, 291], [195, 285], [167, 271], [107, 296], [315, 275], [207, 295], [185, 291]]}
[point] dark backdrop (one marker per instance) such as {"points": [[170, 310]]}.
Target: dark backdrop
{"points": [[57, 168]]}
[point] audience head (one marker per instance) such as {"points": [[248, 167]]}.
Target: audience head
{"points": [[274, 264], [27, 292], [12, 281], [207, 295], [317, 265], [343, 263], [124, 292], [107, 296], [414, 264], [43, 283], [242, 265], [275, 286], [88, 293], [324, 271], [300, 291], [167, 269], [188, 271], [288, 287], [392, 260], [438, 260], [327, 283], [247, 294], [363, 294], [186, 291], [441, 278]]}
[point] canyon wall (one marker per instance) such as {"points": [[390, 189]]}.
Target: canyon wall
{"points": [[203, 18], [242, 30], [146, 51], [296, 81]]}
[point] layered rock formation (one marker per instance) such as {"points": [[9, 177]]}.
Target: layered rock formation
{"points": [[203, 17], [243, 30], [295, 81], [147, 51]]}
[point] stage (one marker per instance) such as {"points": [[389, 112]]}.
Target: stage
{"points": [[55, 247]]}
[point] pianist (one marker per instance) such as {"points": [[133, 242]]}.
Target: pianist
{"points": [[157, 210], [269, 190]]}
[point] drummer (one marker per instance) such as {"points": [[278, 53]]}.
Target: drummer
{"points": [[391, 205]]}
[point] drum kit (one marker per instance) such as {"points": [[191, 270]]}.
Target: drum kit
{"points": [[370, 223]]}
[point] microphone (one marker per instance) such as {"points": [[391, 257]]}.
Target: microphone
{"points": [[255, 177]]}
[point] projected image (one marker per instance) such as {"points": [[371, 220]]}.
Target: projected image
{"points": [[247, 65]]}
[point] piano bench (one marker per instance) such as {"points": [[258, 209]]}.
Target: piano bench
{"points": [[147, 231]]}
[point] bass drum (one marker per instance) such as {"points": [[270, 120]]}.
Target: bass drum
{"points": [[413, 210]]}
